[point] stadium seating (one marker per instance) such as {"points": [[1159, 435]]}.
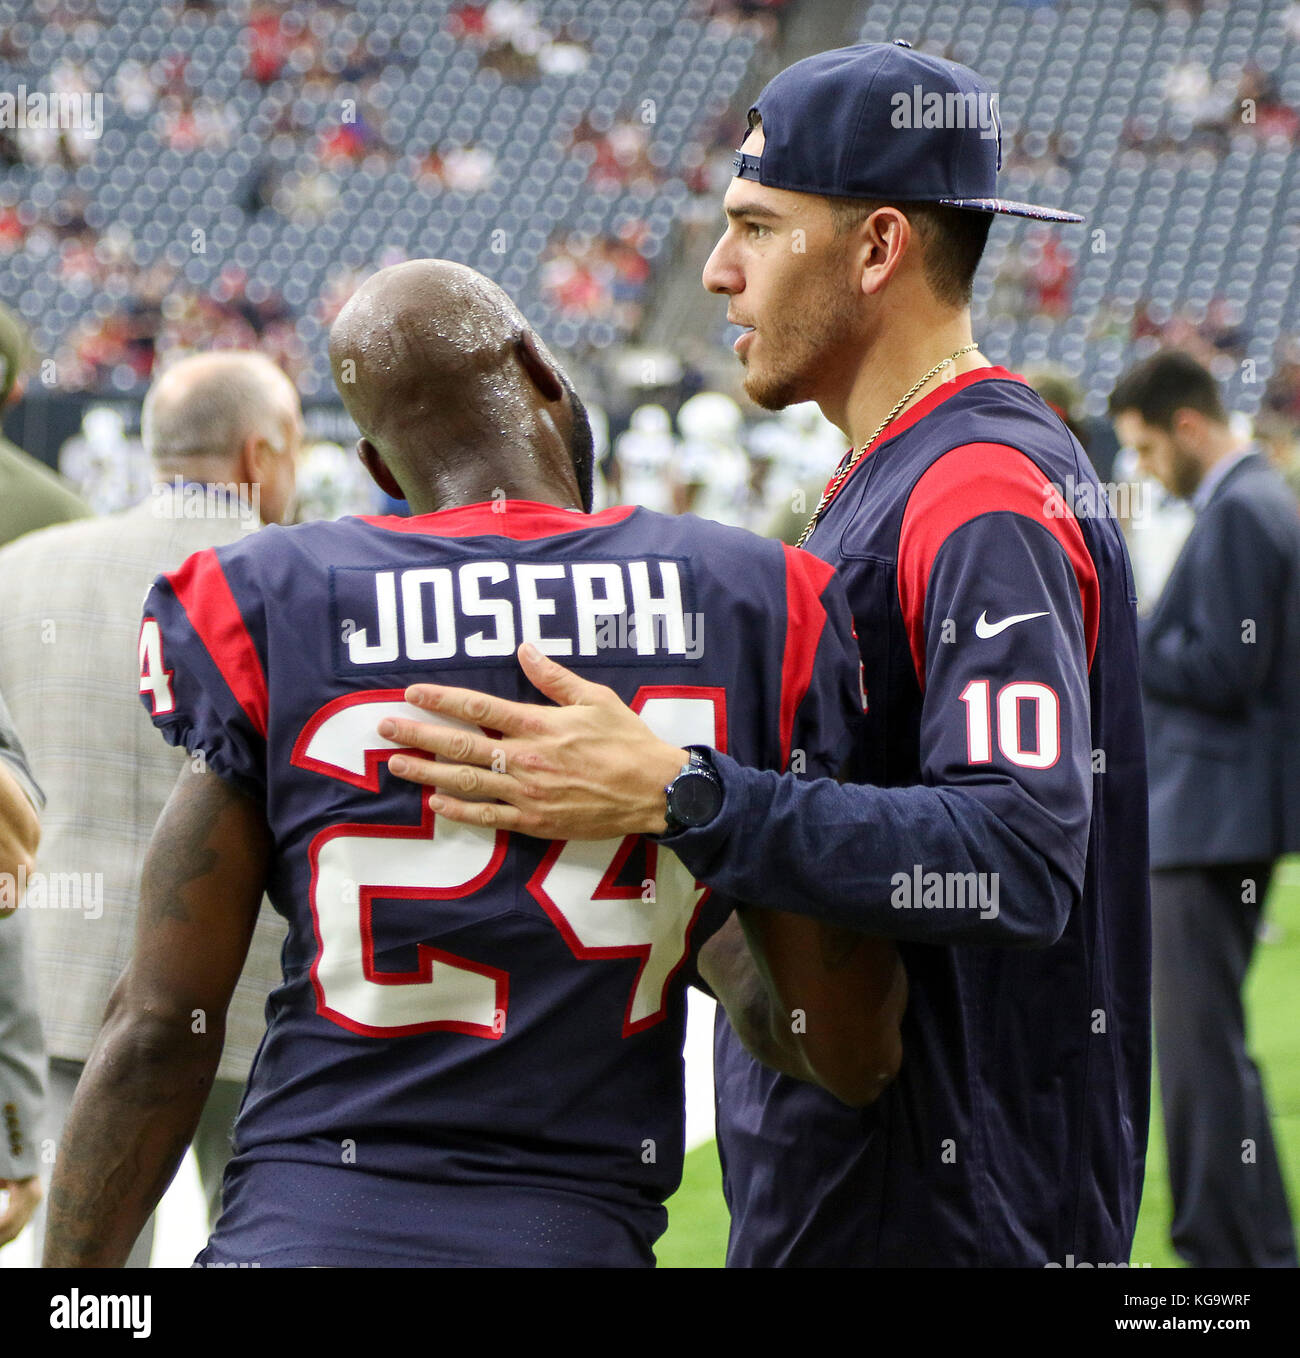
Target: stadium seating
{"points": [[420, 87], [1181, 218], [236, 174]]}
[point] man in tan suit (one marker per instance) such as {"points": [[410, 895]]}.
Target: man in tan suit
{"points": [[223, 431], [22, 1057]]}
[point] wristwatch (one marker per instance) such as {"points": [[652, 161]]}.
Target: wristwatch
{"points": [[694, 797]]}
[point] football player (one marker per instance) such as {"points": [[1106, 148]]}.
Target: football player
{"points": [[475, 1054]]}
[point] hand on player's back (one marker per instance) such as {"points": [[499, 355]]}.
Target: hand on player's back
{"points": [[589, 768]]}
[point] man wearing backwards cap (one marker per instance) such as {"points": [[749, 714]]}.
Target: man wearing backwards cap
{"points": [[998, 789]]}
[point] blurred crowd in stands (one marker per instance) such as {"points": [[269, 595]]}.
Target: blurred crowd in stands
{"points": [[144, 306], [157, 312], [1204, 113]]}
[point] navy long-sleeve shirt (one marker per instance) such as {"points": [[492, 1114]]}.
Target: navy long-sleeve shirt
{"points": [[994, 823]]}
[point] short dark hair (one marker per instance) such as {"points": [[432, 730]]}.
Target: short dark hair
{"points": [[952, 240], [1167, 382]]}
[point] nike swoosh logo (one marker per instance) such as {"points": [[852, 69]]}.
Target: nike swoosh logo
{"points": [[985, 629]]}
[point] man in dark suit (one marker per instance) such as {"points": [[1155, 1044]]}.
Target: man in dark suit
{"points": [[1220, 656]]}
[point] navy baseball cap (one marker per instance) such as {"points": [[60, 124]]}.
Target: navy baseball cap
{"points": [[879, 120]]}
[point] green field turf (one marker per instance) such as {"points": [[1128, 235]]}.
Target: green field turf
{"points": [[697, 1216]]}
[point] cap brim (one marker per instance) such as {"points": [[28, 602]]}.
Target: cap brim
{"points": [[1012, 209]]}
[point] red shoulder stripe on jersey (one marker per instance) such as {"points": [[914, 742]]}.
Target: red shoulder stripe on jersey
{"points": [[202, 590], [966, 482], [932, 402], [516, 519], [805, 619]]}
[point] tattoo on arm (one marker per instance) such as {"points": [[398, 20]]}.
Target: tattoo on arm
{"points": [[189, 855]]}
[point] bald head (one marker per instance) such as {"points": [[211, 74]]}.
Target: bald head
{"points": [[210, 404], [225, 416], [448, 383], [417, 327]]}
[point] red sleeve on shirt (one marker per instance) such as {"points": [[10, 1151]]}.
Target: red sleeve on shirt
{"points": [[202, 590], [965, 483], [805, 579]]}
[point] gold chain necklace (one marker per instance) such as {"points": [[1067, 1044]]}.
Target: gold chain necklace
{"points": [[853, 461]]}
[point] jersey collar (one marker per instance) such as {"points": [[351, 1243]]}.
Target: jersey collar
{"points": [[922, 408], [517, 519]]}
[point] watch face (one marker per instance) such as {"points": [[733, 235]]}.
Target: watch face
{"points": [[695, 798]]}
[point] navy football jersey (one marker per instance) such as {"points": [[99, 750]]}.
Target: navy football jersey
{"points": [[475, 1054], [998, 797]]}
